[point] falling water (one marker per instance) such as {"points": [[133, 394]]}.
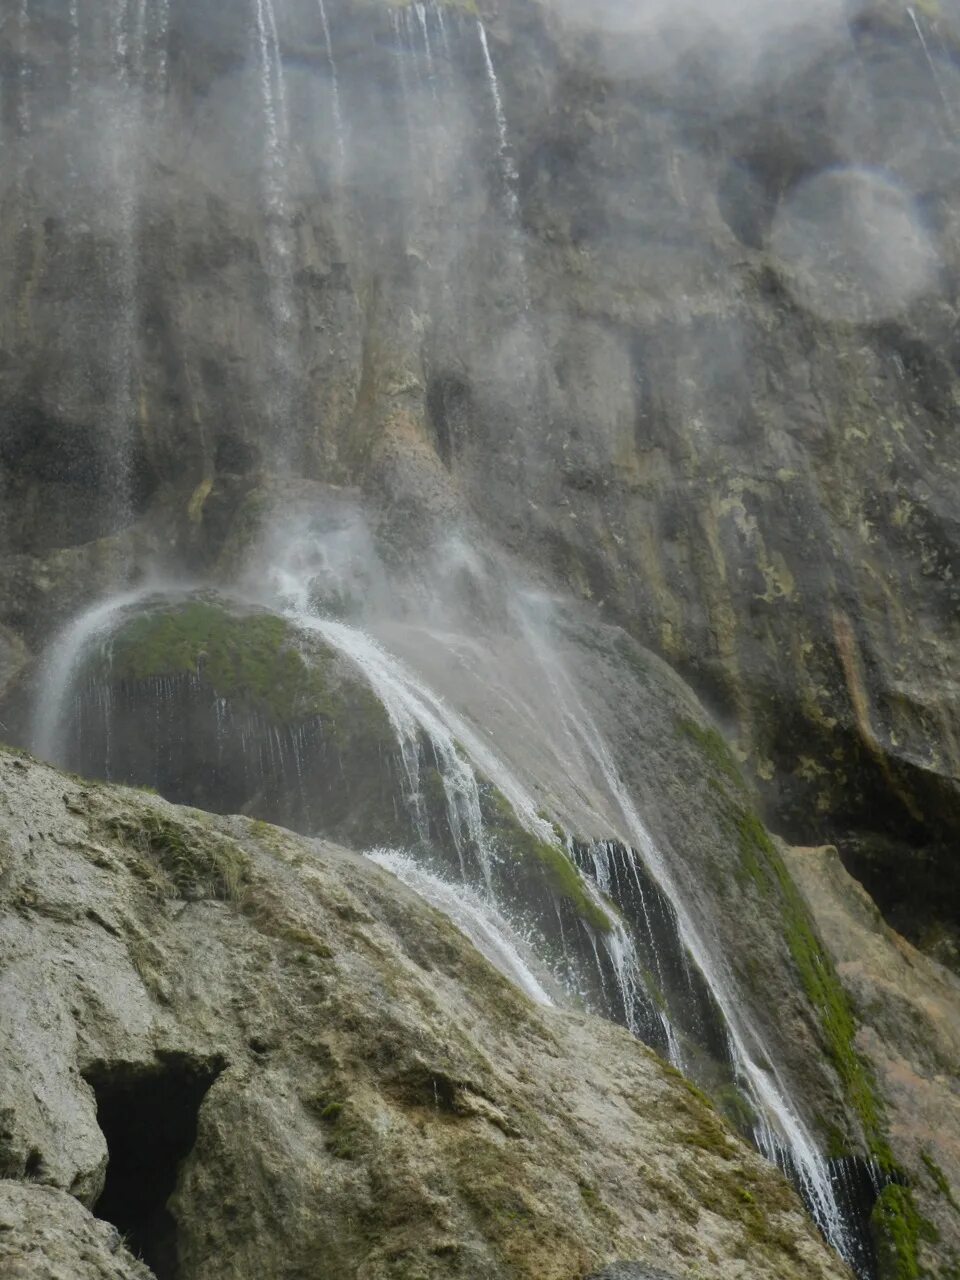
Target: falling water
{"points": [[160, 36], [62, 663], [489, 931], [335, 90], [276, 124], [765, 1087], [413, 711], [444, 36], [273, 98], [123, 143], [23, 35], [935, 75], [508, 170], [74, 75], [138, 38], [421, 12], [416, 714]]}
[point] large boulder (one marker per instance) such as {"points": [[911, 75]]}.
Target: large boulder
{"points": [[296, 1066]]}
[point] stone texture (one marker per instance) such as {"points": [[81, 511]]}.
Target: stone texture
{"points": [[386, 1105], [47, 1233], [909, 1012]]}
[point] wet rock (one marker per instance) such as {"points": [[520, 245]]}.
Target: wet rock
{"points": [[908, 1007]]}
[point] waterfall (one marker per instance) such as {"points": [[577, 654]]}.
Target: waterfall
{"points": [[123, 141], [421, 12], [335, 91], [61, 665], [444, 37], [278, 266], [782, 1135], [413, 711], [935, 75], [508, 170], [489, 931], [427, 728], [138, 37], [416, 714], [23, 37], [74, 74]]}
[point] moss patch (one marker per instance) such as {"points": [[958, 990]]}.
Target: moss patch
{"points": [[560, 874], [249, 657], [940, 1180], [760, 864], [713, 746], [898, 1229]]}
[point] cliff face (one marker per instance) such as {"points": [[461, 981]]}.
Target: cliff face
{"points": [[228, 251], [601, 365]]}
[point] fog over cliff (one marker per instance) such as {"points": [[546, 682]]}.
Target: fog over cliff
{"points": [[515, 442]]}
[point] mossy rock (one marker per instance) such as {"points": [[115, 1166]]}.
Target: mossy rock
{"points": [[898, 1229], [540, 858], [250, 657], [231, 709]]}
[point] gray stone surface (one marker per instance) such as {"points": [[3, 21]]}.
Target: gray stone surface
{"points": [[386, 1103]]}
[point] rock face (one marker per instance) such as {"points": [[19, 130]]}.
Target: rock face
{"points": [[571, 341], [326, 1077], [733, 443], [909, 1008]]}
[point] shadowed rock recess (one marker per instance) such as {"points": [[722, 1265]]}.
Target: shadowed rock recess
{"points": [[507, 454]]}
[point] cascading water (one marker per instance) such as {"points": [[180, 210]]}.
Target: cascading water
{"points": [[124, 161], [492, 935], [61, 665], [74, 74], [278, 266], [622, 971], [656, 968], [421, 12], [780, 1133], [508, 169], [23, 87], [934, 73], [334, 94]]}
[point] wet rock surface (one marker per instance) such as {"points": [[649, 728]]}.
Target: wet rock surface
{"points": [[909, 1007], [755, 476]]}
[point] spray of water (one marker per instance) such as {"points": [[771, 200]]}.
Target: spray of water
{"points": [[489, 931]]}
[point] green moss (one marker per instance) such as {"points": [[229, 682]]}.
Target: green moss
{"points": [[195, 863], [898, 1229], [736, 1108], [713, 745], [760, 864], [346, 1135], [561, 875], [249, 657]]}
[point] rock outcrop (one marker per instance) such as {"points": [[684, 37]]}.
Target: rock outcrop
{"points": [[908, 1007], [262, 1056]]}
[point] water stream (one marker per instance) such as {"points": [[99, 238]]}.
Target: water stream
{"points": [[489, 931], [625, 968], [335, 94], [278, 267]]}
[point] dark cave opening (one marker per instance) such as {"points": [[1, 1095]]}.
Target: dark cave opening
{"points": [[148, 1117]]}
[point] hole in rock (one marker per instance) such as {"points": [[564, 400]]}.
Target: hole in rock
{"points": [[148, 1117]]}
